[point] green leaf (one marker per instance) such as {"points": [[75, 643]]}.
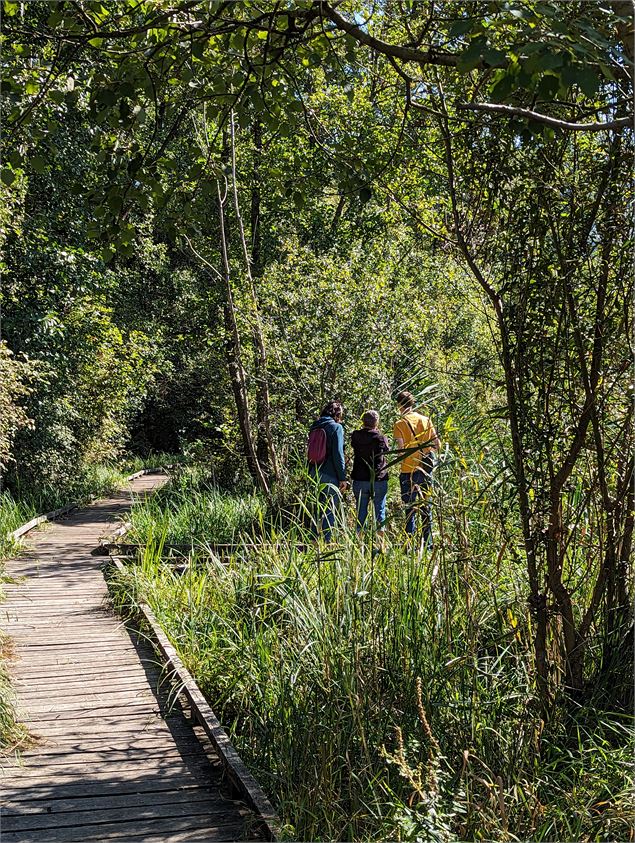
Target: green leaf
{"points": [[460, 27], [494, 58], [588, 81], [38, 164], [8, 176], [115, 203], [365, 194], [548, 86], [471, 57], [502, 89]]}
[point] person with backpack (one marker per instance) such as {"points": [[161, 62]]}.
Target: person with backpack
{"points": [[370, 473], [414, 430], [325, 455]]}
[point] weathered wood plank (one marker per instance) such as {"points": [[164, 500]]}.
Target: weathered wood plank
{"points": [[215, 808], [33, 791], [113, 745], [132, 830], [126, 800], [96, 712], [49, 775]]}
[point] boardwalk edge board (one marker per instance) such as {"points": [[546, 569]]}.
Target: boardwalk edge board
{"points": [[64, 510], [234, 766]]}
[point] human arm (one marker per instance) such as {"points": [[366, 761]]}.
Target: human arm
{"points": [[398, 436], [338, 454]]}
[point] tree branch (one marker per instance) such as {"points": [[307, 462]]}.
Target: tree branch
{"points": [[514, 111], [395, 50]]}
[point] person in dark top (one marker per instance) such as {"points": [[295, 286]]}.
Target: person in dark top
{"points": [[331, 471], [370, 474]]}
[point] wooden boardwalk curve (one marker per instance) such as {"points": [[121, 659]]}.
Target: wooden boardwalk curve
{"points": [[110, 762]]}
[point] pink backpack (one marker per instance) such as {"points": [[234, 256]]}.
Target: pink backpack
{"points": [[316, 446]]}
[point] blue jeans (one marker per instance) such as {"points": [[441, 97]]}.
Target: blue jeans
{"points": [[365, 491], [417, 500], [329, 503]]}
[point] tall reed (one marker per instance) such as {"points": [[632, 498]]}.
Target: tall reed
{"points": [[320, 660]]}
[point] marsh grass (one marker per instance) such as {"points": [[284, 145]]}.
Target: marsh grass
{"points": [[311, 657], [193, 512]]}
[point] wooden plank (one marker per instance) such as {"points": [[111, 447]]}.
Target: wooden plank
{"points": [[96, 712], [189, 836], [129, 680], [111, 667], [68, 654], [146, 783], [167, 828], [80, 702], [97, 759], [17, 777], [72, 646], [115, 743], [216, 809], [58, 731], [126, 800]]}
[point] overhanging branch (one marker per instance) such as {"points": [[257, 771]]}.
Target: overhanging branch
{"points": [[514, 111], [397, 51]]}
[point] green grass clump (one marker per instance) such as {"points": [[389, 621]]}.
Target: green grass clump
{"points": [[192, 510]]}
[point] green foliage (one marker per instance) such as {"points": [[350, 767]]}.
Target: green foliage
{"points": [[15, 377]]}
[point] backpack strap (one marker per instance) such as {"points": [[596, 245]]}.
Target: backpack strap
{"points": [[414, 433]]}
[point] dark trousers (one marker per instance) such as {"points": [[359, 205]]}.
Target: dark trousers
{"points": [[415, 494]]}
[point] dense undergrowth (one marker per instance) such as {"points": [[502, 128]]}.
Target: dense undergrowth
{"points": [[384, 696]]}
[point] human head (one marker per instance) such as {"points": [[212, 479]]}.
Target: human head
{"points": [[333, 409], [405, 400], [370, 419]]}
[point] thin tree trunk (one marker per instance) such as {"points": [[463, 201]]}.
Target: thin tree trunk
{"points": [[263, 402], [234, 358], [537, 597]]}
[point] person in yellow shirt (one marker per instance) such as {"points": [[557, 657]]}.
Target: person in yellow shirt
{"points": [[414, 430]]}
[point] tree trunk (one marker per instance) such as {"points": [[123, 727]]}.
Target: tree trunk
{"points": [[234, 358], [265, 449]]}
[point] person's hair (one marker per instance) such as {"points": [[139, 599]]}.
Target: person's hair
{"points": [[405, 400], [370, 419], [332, 409]]}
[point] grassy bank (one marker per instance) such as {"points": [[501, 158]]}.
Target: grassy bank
{"points": [[385, 697]]}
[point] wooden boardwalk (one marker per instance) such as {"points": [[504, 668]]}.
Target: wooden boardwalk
{"points": [[110, 761]]}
